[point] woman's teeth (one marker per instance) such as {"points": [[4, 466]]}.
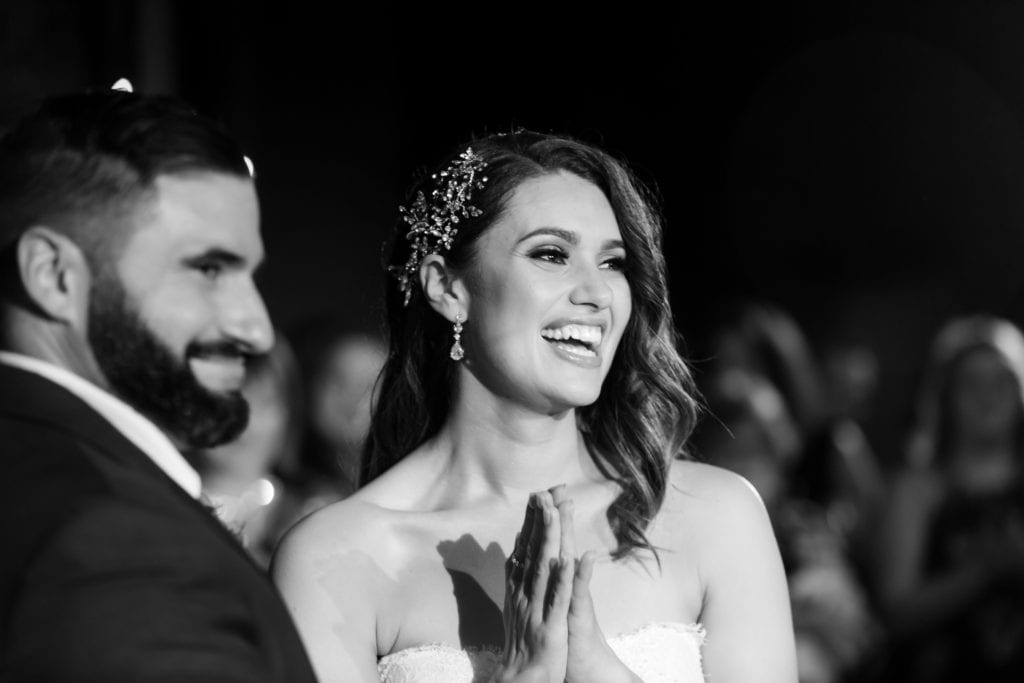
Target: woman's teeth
{"points": [[579, 339]]}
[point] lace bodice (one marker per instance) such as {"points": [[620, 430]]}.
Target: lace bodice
{"points": [[657, 653]]}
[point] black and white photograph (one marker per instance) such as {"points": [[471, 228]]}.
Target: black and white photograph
{"points": [[519, 342]]}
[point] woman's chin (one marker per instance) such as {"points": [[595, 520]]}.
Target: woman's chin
{"points": [[564, 401]]}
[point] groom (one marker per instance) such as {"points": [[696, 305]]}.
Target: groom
{"points": [[129, 233]]}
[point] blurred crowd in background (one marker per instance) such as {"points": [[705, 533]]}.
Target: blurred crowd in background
{"points": [[309, 414], [904, 557], [904, 566]]}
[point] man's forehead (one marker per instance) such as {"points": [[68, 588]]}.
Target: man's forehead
{"points": [[202, 189], [203, 210]]}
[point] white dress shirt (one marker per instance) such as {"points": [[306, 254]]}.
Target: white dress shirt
{"points": [[136, 428]]}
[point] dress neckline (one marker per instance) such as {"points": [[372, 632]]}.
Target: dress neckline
{"points": [[695, 629]]}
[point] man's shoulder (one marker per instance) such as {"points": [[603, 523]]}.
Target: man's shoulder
{"points": [[65, 493], [43, 459], [42, 465], [35, 409]]}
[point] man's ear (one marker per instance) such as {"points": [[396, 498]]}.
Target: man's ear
{"points": [[444, 290], [55, 275]]}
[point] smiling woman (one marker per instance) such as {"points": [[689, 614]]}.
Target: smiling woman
{"points": [[540, 257], [536, 297]]}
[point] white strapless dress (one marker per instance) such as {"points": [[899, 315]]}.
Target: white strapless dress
{"points": [[657, 653]]}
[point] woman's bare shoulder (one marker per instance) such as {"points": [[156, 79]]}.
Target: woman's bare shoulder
{"points": [[715, 511], [347, 531], [377, 522], [720, 520], [707, 491], [337, 571]]}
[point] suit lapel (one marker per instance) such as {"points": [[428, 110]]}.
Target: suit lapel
{"points": [[31, 397]]}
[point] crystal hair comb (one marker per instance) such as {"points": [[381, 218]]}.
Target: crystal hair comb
{"points": [[433, 222]]}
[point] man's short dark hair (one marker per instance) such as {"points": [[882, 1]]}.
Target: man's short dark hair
{"points": [[82, 163]]}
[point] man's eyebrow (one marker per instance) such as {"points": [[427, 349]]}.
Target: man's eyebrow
{"points": [[567, 235], [216, 255]]}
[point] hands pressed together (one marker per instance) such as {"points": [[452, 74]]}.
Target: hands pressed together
{"points": [[551, 631]]}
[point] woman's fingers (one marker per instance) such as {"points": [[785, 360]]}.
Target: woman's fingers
{"points": [[514, 566], [533, 530], [562, 586], [567, 529], [581, 584], [585, 567], [541, 571], [558, 494], [547, 553], [538, 594]]}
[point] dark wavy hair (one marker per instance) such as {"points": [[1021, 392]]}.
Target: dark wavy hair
{"points": [[647, 406]]}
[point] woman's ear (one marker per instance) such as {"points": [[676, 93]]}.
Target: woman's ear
{"points": [[55, 275], [444, 290]]}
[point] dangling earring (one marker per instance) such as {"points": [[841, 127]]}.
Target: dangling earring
{"points": [[457, 353]]}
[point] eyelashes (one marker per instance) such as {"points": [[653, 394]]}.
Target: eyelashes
{"points": [[559, 256], [550, 255], [617, 263]]}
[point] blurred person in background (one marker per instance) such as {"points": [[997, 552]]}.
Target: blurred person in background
{"points": [[749, 430], [338, 366], [951, 558], [240, 478], [833, 466]]}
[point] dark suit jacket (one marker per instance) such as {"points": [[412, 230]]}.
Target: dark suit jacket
{"points": [[109, 571]]}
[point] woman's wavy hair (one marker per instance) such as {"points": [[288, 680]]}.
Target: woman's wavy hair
{"points": [[933, 433], [647, 408]]}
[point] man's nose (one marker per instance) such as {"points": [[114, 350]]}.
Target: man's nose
{"points": [[247, 321]]}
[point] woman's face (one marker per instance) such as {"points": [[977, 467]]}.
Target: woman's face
{"points": [[548, 296], [985, 398]]}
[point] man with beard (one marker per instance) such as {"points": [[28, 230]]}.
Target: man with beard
{"points": [[129, 235]]}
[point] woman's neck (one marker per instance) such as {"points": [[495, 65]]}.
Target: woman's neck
{"points": [[497, 447]]}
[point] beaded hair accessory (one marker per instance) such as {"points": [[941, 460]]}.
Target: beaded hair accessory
{"points": [[433, 222]]}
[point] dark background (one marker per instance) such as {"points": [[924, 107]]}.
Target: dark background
{"points": [[859, 164]]}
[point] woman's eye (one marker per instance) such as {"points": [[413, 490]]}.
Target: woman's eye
{"points": [[550, 255], [615, 263]]}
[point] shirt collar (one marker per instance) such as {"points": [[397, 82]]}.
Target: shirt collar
{"points": [[132, 424]]}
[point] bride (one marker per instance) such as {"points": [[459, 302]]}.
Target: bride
{"points": [[529, 514]]}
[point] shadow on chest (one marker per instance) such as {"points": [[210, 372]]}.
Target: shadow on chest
{"points": [[477, 575]]}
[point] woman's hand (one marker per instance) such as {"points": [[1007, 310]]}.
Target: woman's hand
{"points": [[591, 659], [538, 590]]}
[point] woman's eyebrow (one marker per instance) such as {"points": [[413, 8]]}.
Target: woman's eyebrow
{"points": [[567, 235]]}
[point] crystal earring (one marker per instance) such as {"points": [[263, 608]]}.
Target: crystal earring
{"points": [[457, 352]]}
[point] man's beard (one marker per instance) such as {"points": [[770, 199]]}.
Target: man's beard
{"points": [[147, 375]]}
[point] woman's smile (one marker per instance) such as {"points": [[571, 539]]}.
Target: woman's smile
{"points": [[578, 343]]}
